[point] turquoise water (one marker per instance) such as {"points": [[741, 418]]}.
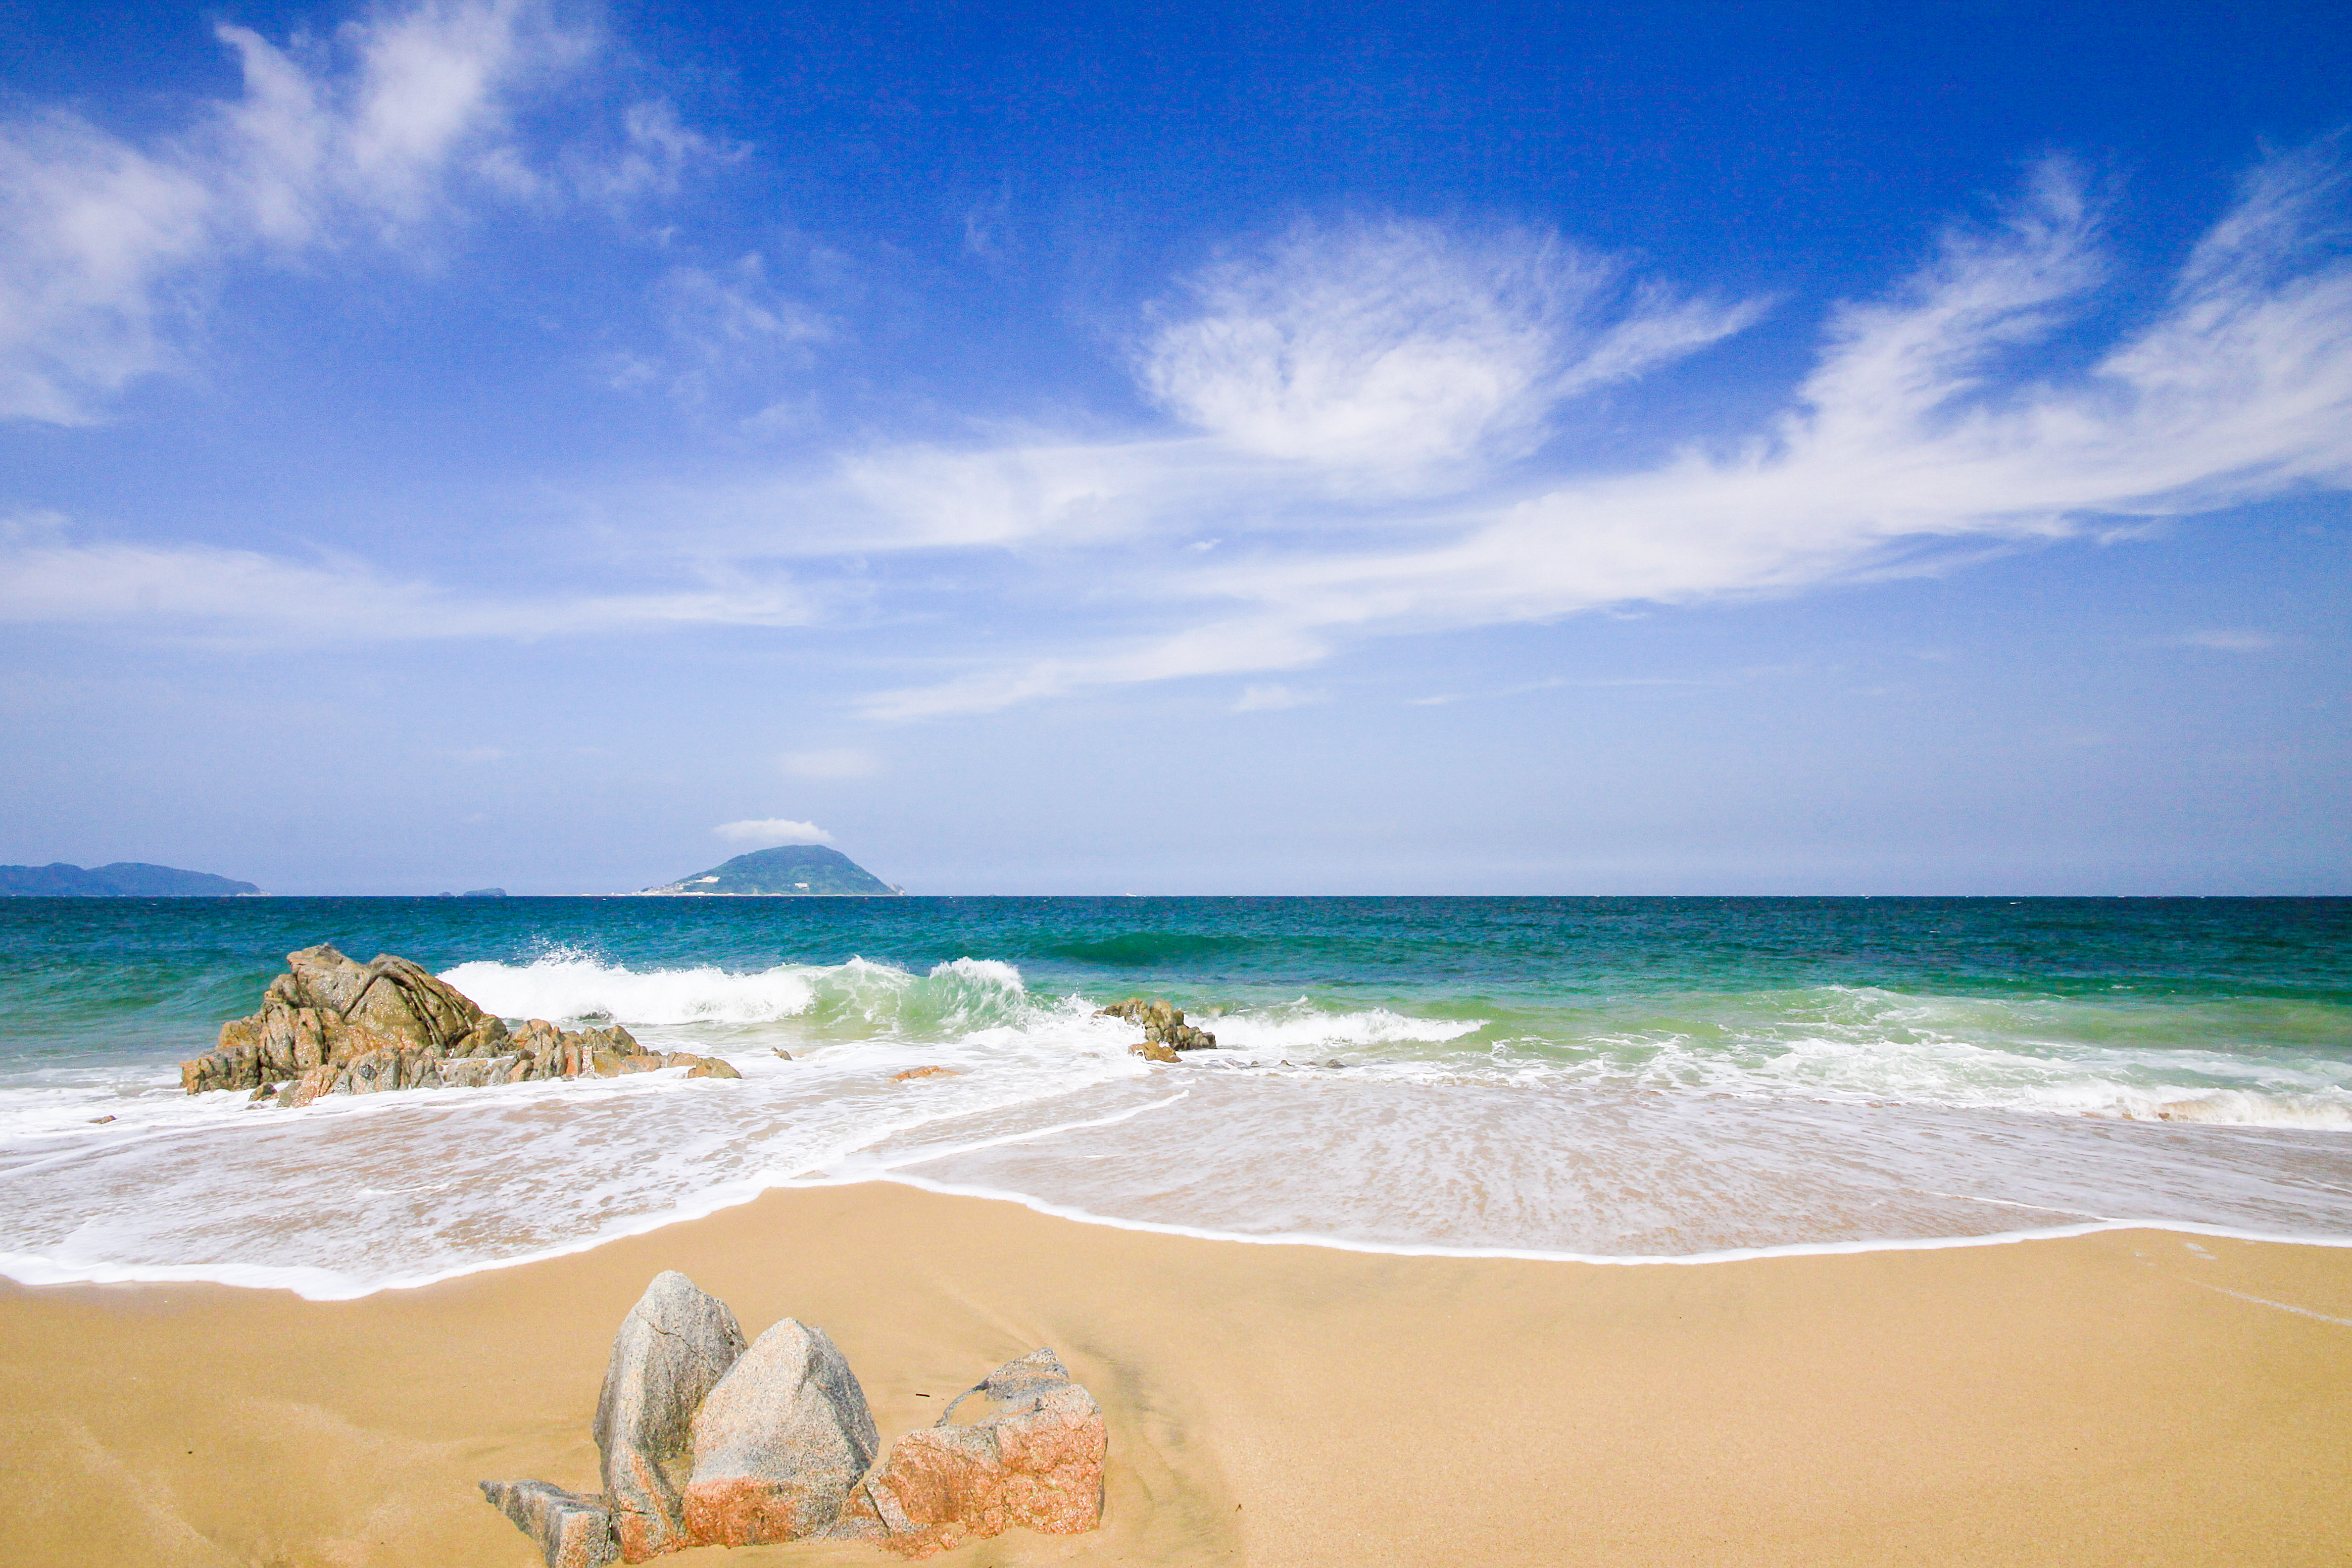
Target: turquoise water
{"points": [[1585, 1076]]}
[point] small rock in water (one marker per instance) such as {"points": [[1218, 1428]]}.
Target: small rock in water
{"points": [[1335, 1062], [100, 1121], [1154, 1050], [924, 1072], [784, 1054], [1162, 1022]]}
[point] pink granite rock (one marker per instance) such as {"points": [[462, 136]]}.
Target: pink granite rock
{"points": [[779, 1442], [1025, 1449]]}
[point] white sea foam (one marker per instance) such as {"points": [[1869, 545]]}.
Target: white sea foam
{"points": [[571, 986], [1840, 1118]]}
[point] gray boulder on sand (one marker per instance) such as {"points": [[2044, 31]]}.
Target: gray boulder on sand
{"points": [[329, 1025], [673, 1348], [705, 1443], [571, 1530], [779, 1442]]}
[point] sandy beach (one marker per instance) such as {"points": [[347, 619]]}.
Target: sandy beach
{"points": [[2130, 1397]]}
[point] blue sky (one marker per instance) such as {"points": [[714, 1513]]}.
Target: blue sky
{"points": [[1662, 448]]}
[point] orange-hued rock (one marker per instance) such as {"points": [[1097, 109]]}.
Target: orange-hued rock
{"points": [[924, 1072], [1154, 1050], [1025, 1449], [779, 1442], [673, 1348]]}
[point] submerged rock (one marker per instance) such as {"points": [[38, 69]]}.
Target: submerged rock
{"points": [[779, 1442], [673, 1348], [911, 1074], [571, 1531], [1028, 1454], [329, 1025]]}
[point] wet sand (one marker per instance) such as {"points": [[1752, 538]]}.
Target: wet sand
{"points": [[2104, 1399]]}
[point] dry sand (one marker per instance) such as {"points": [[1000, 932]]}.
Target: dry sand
{"points": [[2096, 1400]]}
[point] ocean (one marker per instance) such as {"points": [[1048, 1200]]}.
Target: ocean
{"points": [[1636, 1080]]}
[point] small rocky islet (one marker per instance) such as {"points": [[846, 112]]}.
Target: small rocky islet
{"points": [[705, 1440]]}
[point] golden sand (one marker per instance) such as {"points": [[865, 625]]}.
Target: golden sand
{"points": [[2134, 1397]]}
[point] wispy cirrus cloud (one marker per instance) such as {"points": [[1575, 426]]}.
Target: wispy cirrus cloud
{"points": [[49, 577], [1913, 443], [109, 247]]}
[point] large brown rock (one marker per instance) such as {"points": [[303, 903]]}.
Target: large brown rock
{"points": [[779, 1442], [673, 1348], [329, 1025], [1023, 1449], [571, 1531]]}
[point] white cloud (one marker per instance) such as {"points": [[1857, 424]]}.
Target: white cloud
{"points": [[766, 833], [839, 762], [47, 578], [107, 248], [1268, 698], [1397, 345], [1915, 443]]}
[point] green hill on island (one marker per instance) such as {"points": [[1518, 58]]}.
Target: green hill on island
{"points": [[123, 879], [795, 870]]}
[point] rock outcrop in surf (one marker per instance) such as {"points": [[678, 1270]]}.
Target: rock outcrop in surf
{"points": [[1163, 1025], [330, 1026], [704, 1441]]}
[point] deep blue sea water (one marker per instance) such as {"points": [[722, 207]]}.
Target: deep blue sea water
{"points": [[1621, 1078]]}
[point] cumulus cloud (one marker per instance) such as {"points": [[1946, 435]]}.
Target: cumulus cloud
{"points": [[108, 247], [1917, 441], [767, 832]]}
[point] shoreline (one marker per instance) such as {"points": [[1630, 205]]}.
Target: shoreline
{"points": [[32, 1272], [2120, 1396]]}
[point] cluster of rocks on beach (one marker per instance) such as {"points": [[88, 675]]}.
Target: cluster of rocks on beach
{"points": [[705, 1441], [331, 1026]]}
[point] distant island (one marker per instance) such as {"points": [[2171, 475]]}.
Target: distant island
{"points": [[796, 870], [123, 879]]}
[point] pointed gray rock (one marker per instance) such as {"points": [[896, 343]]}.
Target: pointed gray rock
{"points": [[571, 1531], [779, 1442], [674, 1346]]}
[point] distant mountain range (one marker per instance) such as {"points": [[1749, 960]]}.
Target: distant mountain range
{"points": [[796, 870], [123, 879]]}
